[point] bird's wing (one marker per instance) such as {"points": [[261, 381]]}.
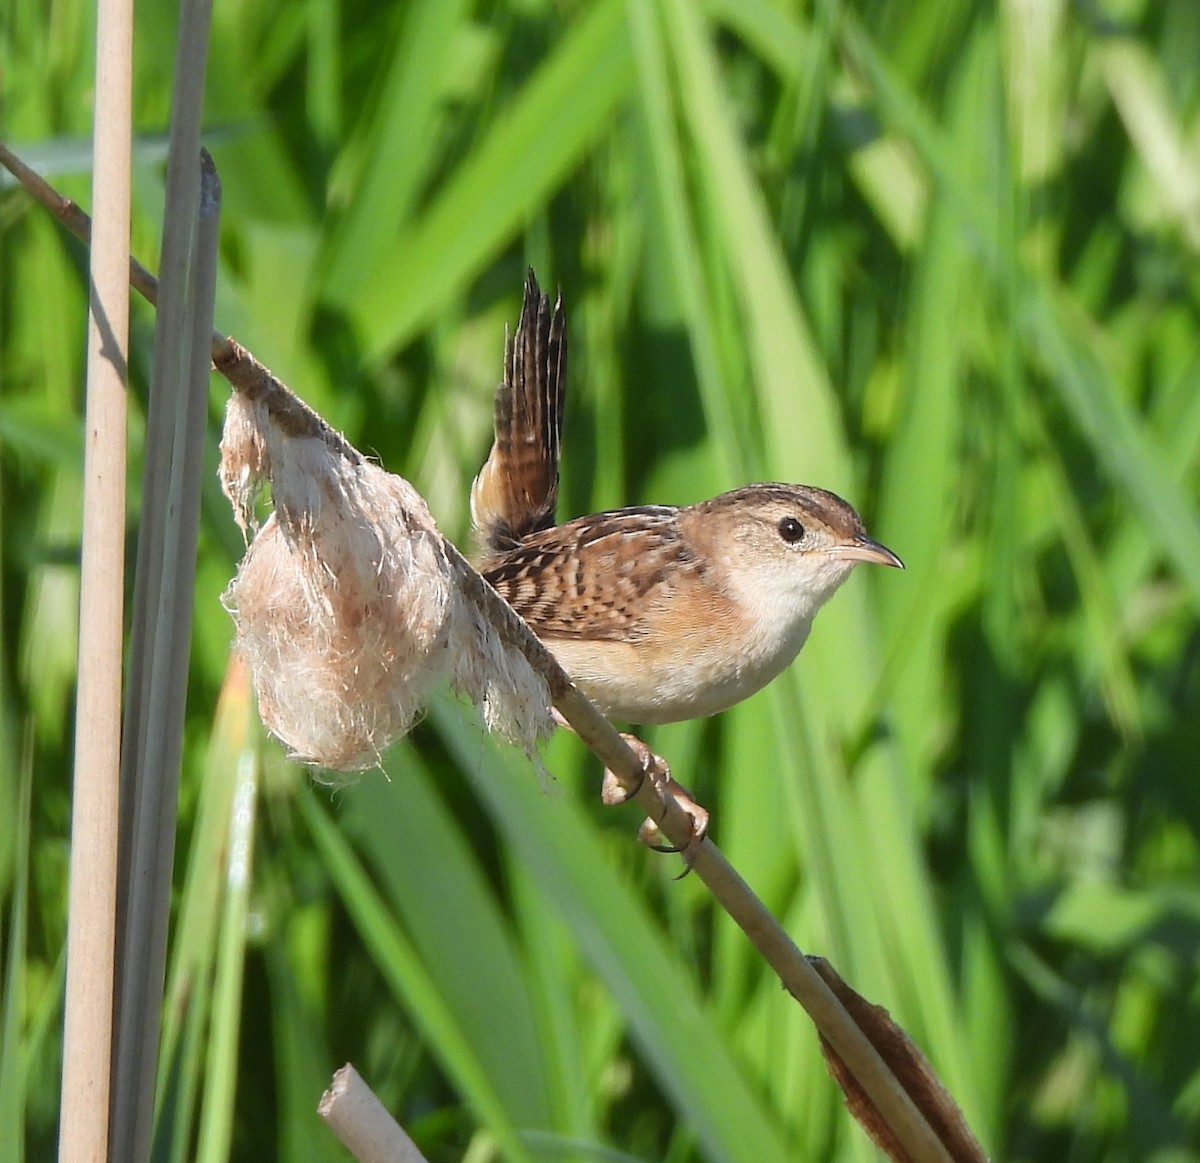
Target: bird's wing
{"points": [[516, 490], [595, 577]]}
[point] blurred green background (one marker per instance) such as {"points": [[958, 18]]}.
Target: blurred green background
{"points": [[941, 258]]}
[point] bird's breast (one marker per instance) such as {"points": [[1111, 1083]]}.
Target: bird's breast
{"points": [[688, 672]]}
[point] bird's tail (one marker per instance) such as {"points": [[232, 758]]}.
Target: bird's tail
{"points": [[516, 490]]}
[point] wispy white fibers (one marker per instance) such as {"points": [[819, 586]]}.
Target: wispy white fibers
{"points": [[347, 606]]}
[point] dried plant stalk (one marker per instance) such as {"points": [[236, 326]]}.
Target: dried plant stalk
{"points": [[362, 1123], [91, 926]]}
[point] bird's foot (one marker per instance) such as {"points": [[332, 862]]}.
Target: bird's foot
{"points": [[656, 769]]}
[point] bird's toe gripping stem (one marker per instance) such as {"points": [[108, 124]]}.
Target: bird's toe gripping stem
{"points": [[655, 768]]}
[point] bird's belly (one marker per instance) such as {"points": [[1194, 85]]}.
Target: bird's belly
{"points": [[690, 681]]}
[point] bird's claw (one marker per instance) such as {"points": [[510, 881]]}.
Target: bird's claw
{"points": [[656, 769], [651, 834], [613, 792]]}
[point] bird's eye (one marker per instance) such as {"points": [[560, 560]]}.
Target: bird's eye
{"points": [[790, 530]]}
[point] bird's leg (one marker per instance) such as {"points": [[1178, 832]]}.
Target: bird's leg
{"points": [[657, 770]]}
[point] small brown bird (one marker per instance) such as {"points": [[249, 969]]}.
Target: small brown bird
{"points": [[658, 613]]}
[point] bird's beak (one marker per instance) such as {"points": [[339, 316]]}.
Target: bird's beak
{"points": [[864, 548]]}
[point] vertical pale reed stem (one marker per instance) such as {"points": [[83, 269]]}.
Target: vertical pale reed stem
{"points": [[83, 1133]]}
